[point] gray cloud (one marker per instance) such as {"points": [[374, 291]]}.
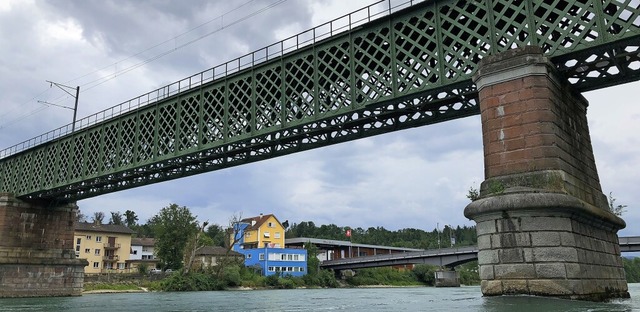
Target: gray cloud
{"points": [[412, 178]]}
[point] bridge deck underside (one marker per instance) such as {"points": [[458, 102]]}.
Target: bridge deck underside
{"points": [[447, 257], [408, 69]]}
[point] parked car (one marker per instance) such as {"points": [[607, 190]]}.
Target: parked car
{"points": [[155, 271]]}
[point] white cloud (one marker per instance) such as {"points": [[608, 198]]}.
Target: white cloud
{"points": [[411, 178]]}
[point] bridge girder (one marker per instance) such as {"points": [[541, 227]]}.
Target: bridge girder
{"points": [[408, 69]]}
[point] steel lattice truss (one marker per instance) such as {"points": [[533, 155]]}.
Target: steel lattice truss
{"points": [[408, 69]]}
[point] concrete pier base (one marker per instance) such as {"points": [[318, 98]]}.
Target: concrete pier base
{"points": [[37, 258], [447, 279], [547, 244], [544, 226]]}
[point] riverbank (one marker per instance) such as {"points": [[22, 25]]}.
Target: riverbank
{"points": [[240, 277], [114, 291]]}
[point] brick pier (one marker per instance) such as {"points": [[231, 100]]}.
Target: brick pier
{"points": [[37, 258], [542, 219]]}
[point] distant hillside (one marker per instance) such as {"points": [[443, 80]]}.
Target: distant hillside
{"points": [[409, 238]]}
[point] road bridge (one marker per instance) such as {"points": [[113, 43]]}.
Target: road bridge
{"points": [[520, 64], [445, 257]]}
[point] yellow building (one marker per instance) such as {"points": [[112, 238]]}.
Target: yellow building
{"points": [[262, 231], [105, 246]]}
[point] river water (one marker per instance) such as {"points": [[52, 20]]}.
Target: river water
{"points": [[463, 299]]}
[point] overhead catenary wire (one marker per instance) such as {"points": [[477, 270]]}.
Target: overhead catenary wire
{"points": [[163, 42], [94, 83], [97, 82]]}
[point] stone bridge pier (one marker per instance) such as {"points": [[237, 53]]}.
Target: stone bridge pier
{"points": [[37, 257], [543, 223]]}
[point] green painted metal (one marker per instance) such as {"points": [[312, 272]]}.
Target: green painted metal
{"points": [[377, 74]]}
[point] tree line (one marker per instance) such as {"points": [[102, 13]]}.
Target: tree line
{"points": [[407, 238]]}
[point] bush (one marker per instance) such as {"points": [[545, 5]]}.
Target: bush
{"points": [[143, 268], [231, 276], [425, 274], [382, 276], [469, 273], [192, 282], [272, 280], [286, 283], [326, 278]]}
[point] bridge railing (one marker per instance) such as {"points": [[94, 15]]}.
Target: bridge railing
{"points": [[306, 38], [404, 255]]}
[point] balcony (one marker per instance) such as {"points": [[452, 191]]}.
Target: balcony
{"points": [[113, 246], [113, 258]]}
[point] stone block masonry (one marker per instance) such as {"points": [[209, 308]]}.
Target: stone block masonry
{"points": [[543, 224], [37, 258]]}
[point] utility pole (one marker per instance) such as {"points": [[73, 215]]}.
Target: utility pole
{"points": [[75, 107], [450, 235], [438, 230]]}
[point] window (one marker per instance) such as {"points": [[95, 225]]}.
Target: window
{"points": [[135, 252], [78, 240], [301, 269], [283, 257], [98, 238], [248, 256], [271, 269], [120, 266], [270, 224], [88, 237], [96, 265], [78, 248], [261, 256], [267, 234], [290, 257], [296, 257], [248, 234], [87, 250], [97, 252], [277, 235]]}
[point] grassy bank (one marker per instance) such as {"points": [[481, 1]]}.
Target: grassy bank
{"points": [[233, 277]]}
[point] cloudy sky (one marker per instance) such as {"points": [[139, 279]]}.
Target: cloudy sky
{"points": [[117, 50]]}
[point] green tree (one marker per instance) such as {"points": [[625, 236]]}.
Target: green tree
{"points": [[217, 234], [98, 217], [130, 218], [116, 218], [172, 228], [80, 217], [313, 263]]}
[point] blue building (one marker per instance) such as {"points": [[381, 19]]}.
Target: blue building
{"points": [[261, 241]]}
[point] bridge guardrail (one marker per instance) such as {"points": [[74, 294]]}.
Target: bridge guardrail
{"points": [[403, 255]]}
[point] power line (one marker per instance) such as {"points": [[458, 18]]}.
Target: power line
{"points": [[163, 42], [94, 83], [87, 86], [21, 107]]}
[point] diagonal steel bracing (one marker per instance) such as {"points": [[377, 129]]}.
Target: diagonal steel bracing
{"points": [[361, 75]]}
